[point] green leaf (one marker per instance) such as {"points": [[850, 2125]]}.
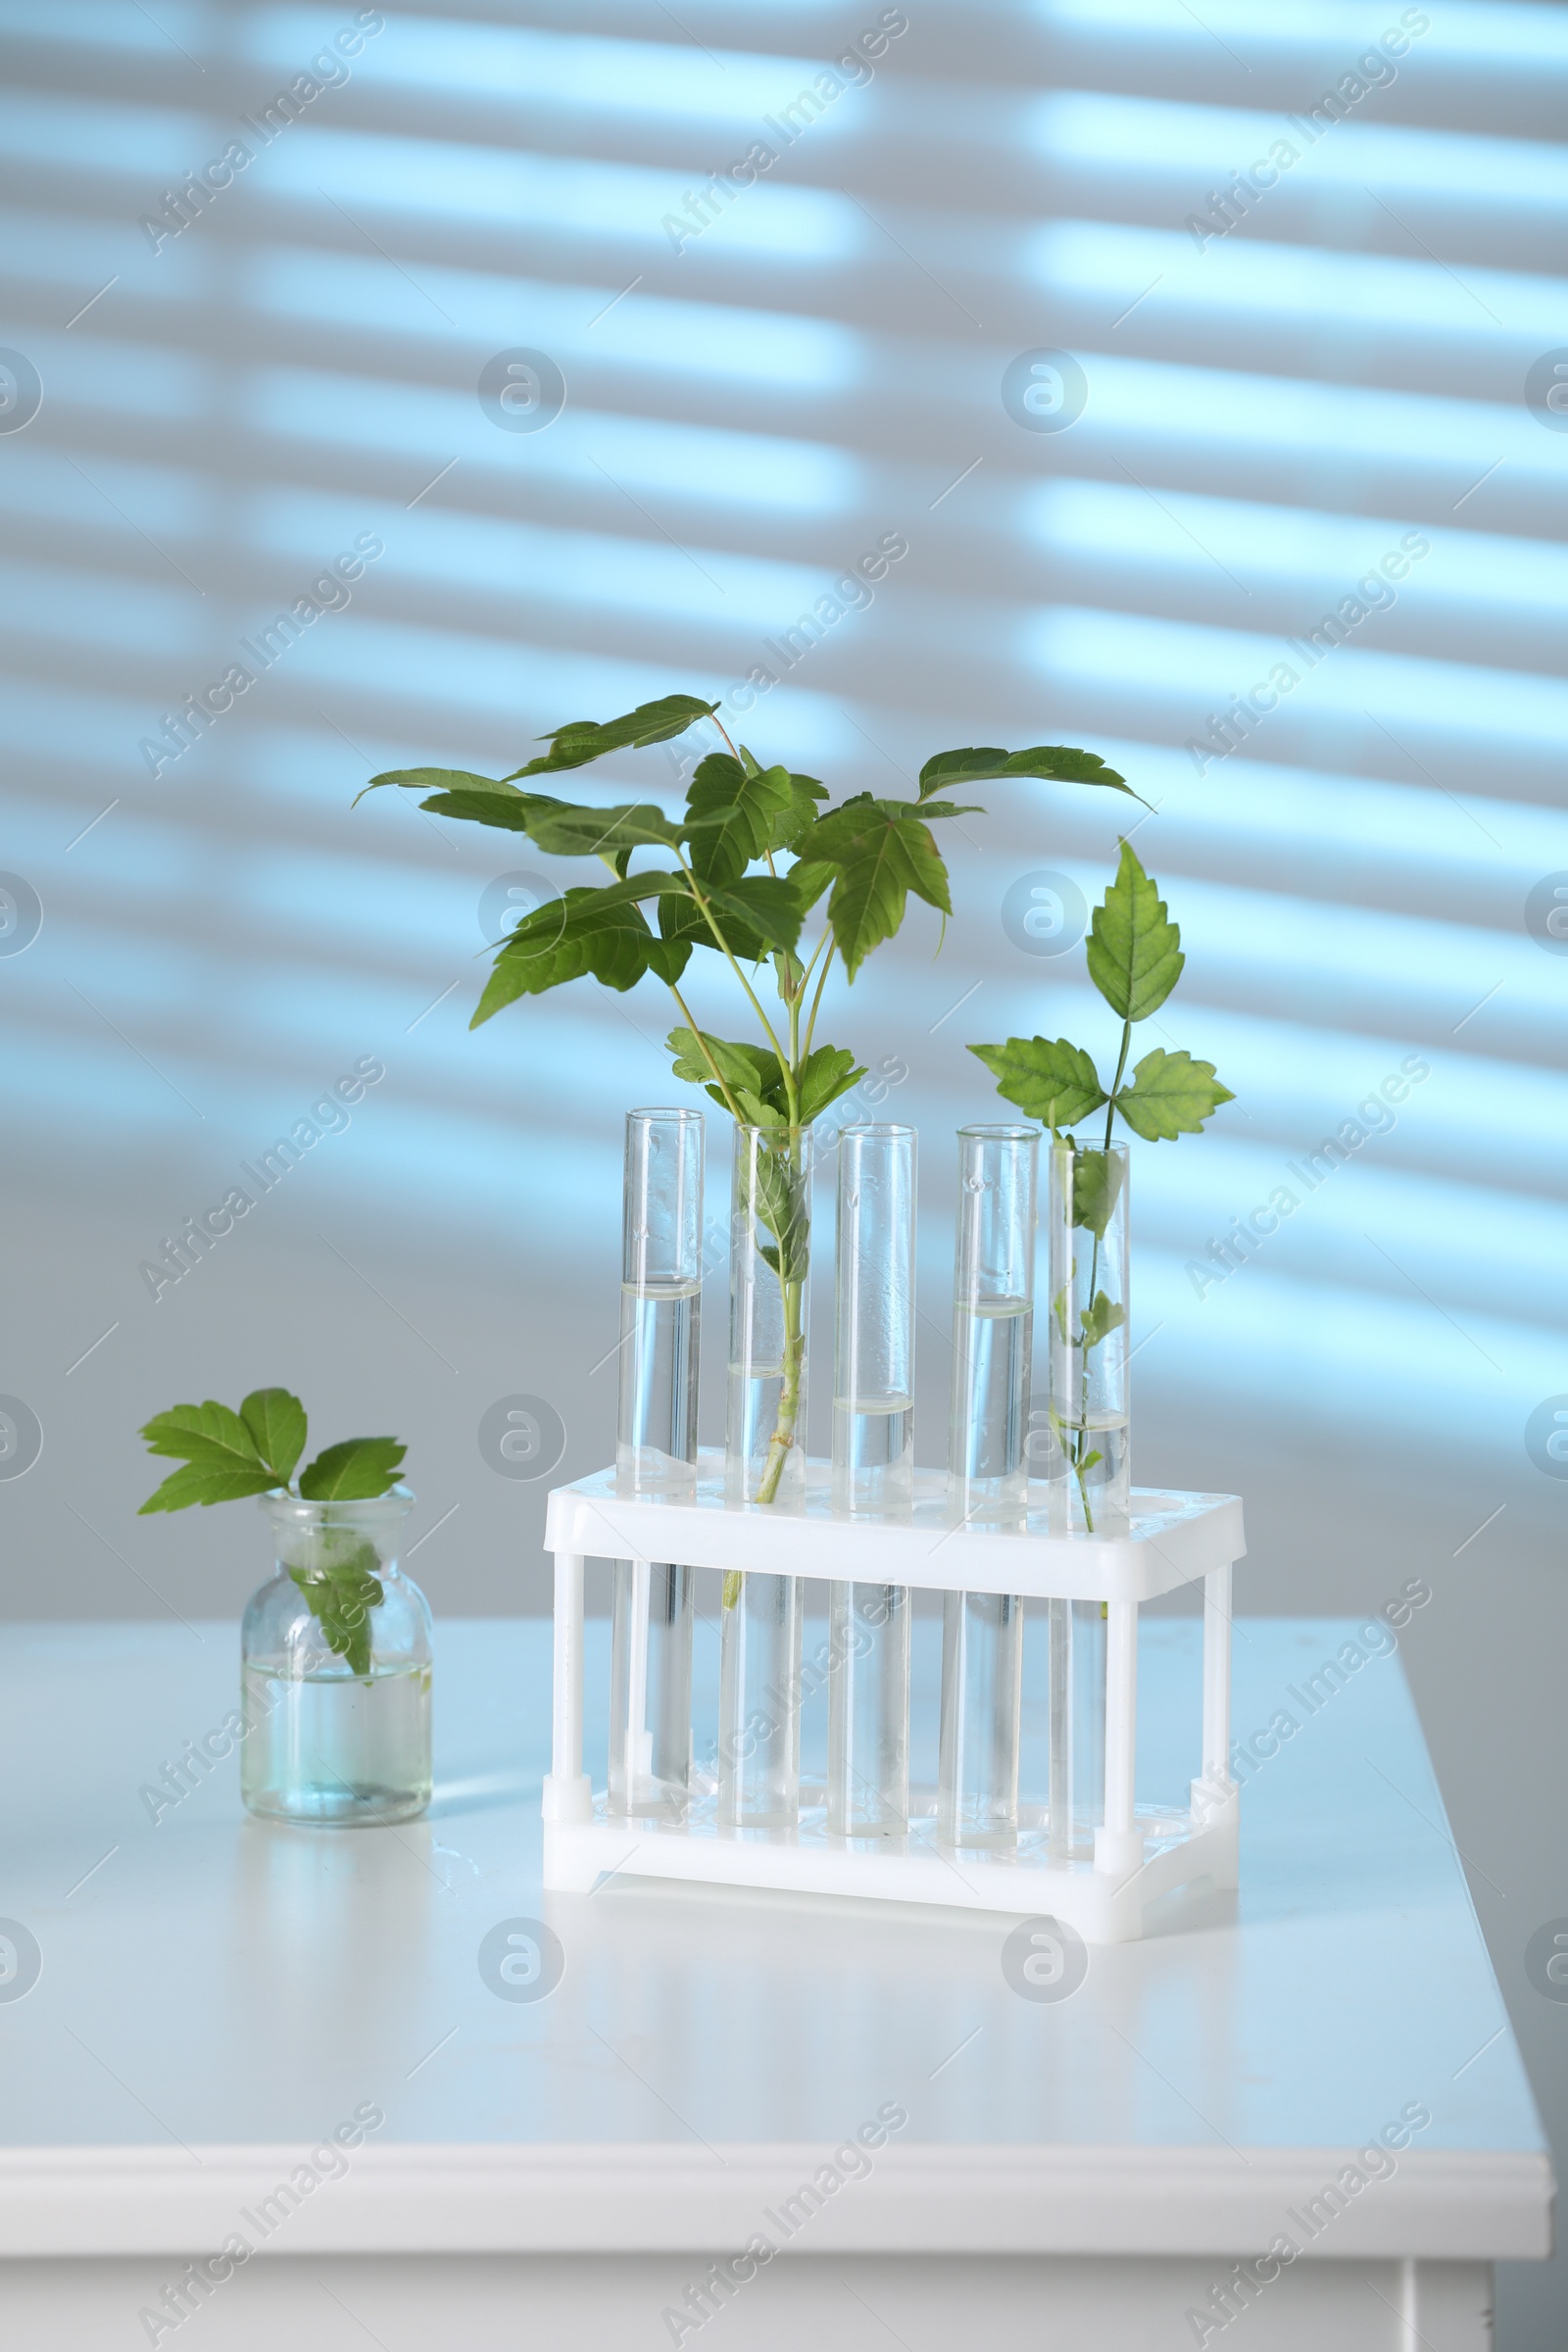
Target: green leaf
{"points": [[1135, 956], [1171, 1094], [1096, 1189], [436, 779], [824, 1075], [751, 1073], [772, 1189], [810, 878], [584, 739], [563, 830], [1056, 763], [752, 1109], [504, 807], [543, 925], [204, 1482], [341, 1597], [584, 931], [798, 819], [1100, 1320], [731, 815], [355, 1471], [204, 1433], [683, 923], [768, 905], [882, 851], [276, 1424], [1053, 1082]]}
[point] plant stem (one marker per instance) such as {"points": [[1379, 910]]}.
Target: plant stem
{"points": [[793, 1236], [821, 983], [756, 1001], [702, 1045], [1115, 1084], [1081, 1438]]}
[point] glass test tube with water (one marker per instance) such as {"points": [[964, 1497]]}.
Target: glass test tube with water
{"points": [[873, 1476], [1087, 1220], [987, 1479], [656, 1453], [765, 1467]]}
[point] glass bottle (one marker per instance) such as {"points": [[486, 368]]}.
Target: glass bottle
{"points": [[656, 1453], [873, 1476], [988, 1478], [1087, 1218], [770, 1254], [335, 1680]]}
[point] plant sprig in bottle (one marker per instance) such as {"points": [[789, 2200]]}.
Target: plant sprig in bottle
{"points": [[227, 1455]]}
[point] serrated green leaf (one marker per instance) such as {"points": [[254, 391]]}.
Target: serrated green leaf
{"points": [[204, 1482], [276, 1423], [585, 739], [882, 851], [1054, 1082], [436, 779], [768, 905], [1101, 1318], [731, 814], [537, 931], [1135, 956], [1171, 1094], [341, 1597], [683, 922], [596, 931], [505, 807], [774, 1190], [207, 1432], [824, 1075], [563, 830], [357, 1470], [1054, 762], [750, 1070], [1096, 1190], [810, 878], [798, 819]]}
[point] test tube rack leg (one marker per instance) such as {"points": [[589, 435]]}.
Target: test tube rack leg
{"points": [[1139, 1853]]}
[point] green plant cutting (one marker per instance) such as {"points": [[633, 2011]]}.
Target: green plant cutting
{"points": [[1134, 960], [736, 875], [227, 1455]]}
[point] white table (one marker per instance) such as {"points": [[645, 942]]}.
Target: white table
{"points": [[216, 1997]]}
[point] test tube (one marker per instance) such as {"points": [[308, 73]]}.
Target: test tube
{"points": [[873, 1476], [987, 1479], [656, 1453], [759, 1640], [1087, 1220]]}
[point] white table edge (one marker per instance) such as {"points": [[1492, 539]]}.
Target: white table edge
{"points": [[1481, 2205]]}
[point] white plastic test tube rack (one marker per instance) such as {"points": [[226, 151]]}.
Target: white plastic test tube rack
{"points": [[1139, 1854]]}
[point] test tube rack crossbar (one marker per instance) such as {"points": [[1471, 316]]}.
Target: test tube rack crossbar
{"points": [[1169, 1541]]}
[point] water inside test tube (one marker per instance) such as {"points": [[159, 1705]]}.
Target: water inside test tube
{"points": [[993, 1339], [1098, 1442], [659, 1380], [873, 1453]]}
